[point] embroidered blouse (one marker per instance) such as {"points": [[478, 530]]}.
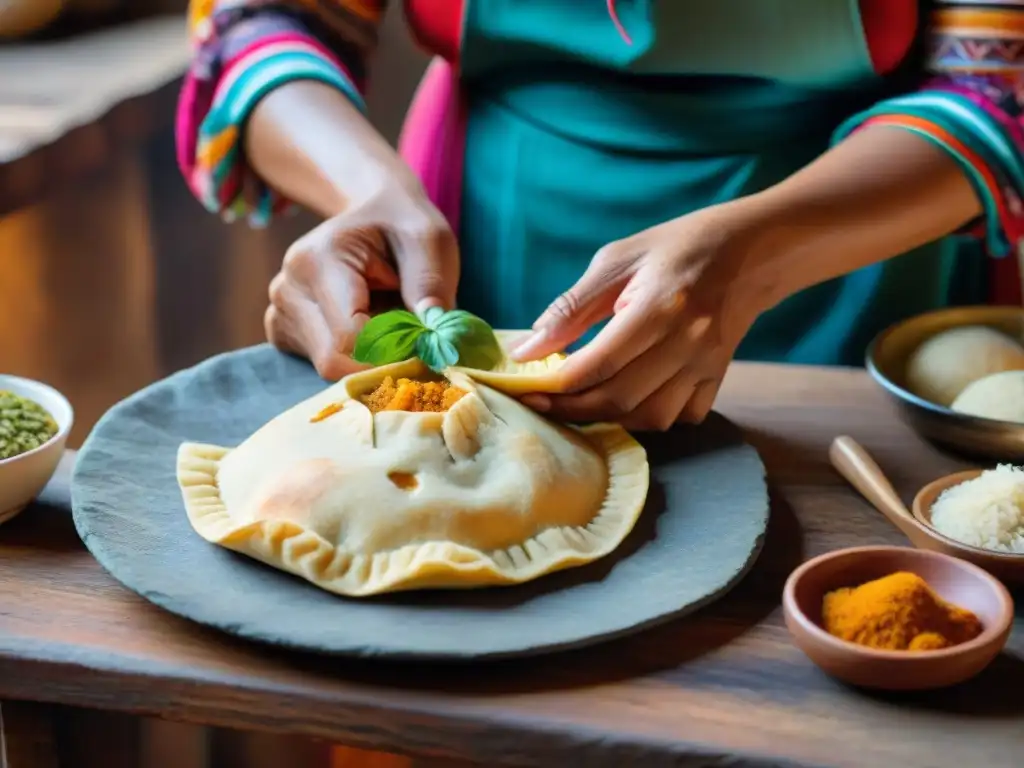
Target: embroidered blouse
{"points": [[969, 100]]}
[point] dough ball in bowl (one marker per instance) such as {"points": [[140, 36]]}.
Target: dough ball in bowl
{"points": [[999, 396], [942, 367]]}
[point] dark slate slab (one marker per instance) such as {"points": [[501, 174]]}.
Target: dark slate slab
{"points": [[702, 529]]}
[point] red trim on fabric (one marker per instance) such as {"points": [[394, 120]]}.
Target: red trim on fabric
{"points": [[614, 13], [890, 27], [1004, 278], [1008, 222], [1004, 286], [436, 25]]}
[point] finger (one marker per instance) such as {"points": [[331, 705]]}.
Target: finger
{"points": [[650, 317], [661, 410], [287, 335], [622, 394], [365, 249], [381, 276], [296, 324], [343, 298], [589, 301], [700, 404], [428, 267]]}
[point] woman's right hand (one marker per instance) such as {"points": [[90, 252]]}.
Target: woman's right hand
{"points": [[319, 301]]}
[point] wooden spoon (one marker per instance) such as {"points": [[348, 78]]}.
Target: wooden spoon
{"points": [[861, 471]]}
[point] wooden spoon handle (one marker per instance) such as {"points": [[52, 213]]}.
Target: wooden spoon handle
{"points": [[861, 471]]}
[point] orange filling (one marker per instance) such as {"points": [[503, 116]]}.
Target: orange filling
{"points": [[327, 411], [409, 395]]}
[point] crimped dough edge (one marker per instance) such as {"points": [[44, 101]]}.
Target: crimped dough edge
{"points": [[291, 547]]}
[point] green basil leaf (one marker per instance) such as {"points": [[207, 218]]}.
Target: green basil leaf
{"points": [[432, 316], [474, 339], [437, 352], [388, 338]]}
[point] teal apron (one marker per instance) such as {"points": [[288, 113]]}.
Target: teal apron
{"points": [[576, 139]]}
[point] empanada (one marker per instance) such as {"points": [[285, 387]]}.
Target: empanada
{"points": [[361, 501]]}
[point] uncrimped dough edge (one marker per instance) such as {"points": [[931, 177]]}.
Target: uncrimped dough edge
{"points": [[541, 376], [291, 547]]}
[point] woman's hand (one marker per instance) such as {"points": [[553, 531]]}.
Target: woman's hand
{"points": [[680, 306], [320, 300]]}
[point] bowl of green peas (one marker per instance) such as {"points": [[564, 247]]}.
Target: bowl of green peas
{"points": [[35, 420]]}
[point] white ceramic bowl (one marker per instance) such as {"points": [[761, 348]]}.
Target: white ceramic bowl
{"points": [[22, 477]]}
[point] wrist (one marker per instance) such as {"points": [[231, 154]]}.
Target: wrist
{"points": [[758, 240], [373, 178]]}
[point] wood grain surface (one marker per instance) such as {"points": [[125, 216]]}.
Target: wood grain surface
{"points": [[53, 130], [723, 685]]}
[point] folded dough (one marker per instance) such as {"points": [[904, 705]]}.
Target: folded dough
{"points": [[361, 503], [517, 378]]}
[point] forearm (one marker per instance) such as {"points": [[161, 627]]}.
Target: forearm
{"points": [[310, 143], [881, 192]]}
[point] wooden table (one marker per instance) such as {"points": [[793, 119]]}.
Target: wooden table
{"points": [[53, 128], [723, 686]]}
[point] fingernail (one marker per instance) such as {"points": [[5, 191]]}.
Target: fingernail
{"points": [[541, 403], [523, 348], [424, 304]]}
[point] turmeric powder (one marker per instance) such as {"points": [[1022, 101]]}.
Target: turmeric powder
{"points": [[409, 395], [899, 612]]}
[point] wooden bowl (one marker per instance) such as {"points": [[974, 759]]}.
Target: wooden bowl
{"points": [[956, 581], [1004, 565], [886, 361]]}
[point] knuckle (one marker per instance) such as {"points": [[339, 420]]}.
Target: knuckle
{"points": [[565, 306], [609, 252], [431, 238], [270, 323], [601, 370], [274, 331], [662, 421], [666, 304], [301, 260], [277, 291], [359, 245], [652, 422], [624, 402], [608, 405], [328, 369]]}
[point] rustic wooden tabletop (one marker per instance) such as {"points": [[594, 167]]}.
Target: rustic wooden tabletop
{"points": [[725, 685]]}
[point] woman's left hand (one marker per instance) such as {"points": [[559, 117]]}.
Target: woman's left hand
{"points": [[681, 306]]}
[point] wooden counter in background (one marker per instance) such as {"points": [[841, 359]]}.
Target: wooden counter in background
{"points": [[66, 105]]}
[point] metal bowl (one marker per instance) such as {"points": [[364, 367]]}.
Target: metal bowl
{"points": [[887, 361]]}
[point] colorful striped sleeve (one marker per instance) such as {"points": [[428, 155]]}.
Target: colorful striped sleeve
{"points": [[242, 50], [972, 106]]}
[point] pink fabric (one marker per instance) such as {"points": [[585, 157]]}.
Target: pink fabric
{"points": [[193, 103], [433, 140]]}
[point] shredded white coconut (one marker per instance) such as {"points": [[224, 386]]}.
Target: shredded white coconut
{"points": [[986, 512]]}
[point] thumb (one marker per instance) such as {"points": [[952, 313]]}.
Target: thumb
{"points": [[576, 311], [428, 267]]}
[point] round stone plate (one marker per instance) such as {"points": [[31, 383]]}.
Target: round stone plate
{"points": [[701, 530]]}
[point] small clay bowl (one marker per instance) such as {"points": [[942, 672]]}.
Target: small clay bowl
{"points": [[1005, 565], [854, 463], [956, 581]]}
